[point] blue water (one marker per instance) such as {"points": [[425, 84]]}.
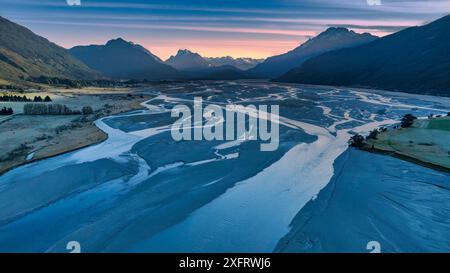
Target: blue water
{"points": [[141, 191]]}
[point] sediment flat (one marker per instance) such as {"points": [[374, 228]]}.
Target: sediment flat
{"points": [[28, 138]]}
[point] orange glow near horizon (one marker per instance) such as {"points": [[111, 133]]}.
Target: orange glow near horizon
{"points": [[258, 49], [236, 49]]}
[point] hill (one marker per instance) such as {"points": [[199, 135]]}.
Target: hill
{"points": [[24, 55], [414, 60], [329, 40], [120, 59]]}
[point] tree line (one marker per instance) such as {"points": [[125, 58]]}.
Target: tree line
{"points": [[50, 109], [54, 109], [15, 98]]}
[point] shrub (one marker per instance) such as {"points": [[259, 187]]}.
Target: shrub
{"points": [[356, 141], [373, 134], [6, 111], [87, 110], [21, 150], [61, 128], [408, 121]]}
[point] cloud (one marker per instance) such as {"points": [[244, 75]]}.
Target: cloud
{"points": [[282, 32]]}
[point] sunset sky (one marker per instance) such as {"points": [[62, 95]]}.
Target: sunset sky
{"points": [[239, 28]]}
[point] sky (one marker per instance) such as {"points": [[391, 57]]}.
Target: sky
{"points": [[214, 28]]}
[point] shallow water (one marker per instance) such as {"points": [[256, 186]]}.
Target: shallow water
{"points": [[140, 191]]}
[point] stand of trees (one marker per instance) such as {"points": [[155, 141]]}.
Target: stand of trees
{"points": [[407, 121], [48, 109], [15, 98], [6, 111], [373, 134], [87, 110], [39, 99], [356, 141]]}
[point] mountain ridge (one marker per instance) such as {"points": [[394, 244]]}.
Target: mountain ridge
{"points": [[240, 63], [24, 55], [331, 39], [186, 60], [121, 59], [415, 60]]}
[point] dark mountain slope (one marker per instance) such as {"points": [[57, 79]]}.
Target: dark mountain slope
{"points": [[186, 60], [24, 54], [416, 60], [331, 39], [120, 59]]}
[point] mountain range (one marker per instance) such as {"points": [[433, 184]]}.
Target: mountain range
{"points": [[186, 60], [120, 59], [25, 55], [331, 39], [416, 59], [240, 63]]}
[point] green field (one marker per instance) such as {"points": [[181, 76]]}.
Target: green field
{"points": [[439, 124], [427, 141]]}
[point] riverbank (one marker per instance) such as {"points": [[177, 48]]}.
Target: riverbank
{"points": [[425, 142], [28, 138]]}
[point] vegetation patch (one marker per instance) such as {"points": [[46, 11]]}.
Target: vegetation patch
{"points": [[425, 141], [48, 109], [6, 111], [439, 124]]}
